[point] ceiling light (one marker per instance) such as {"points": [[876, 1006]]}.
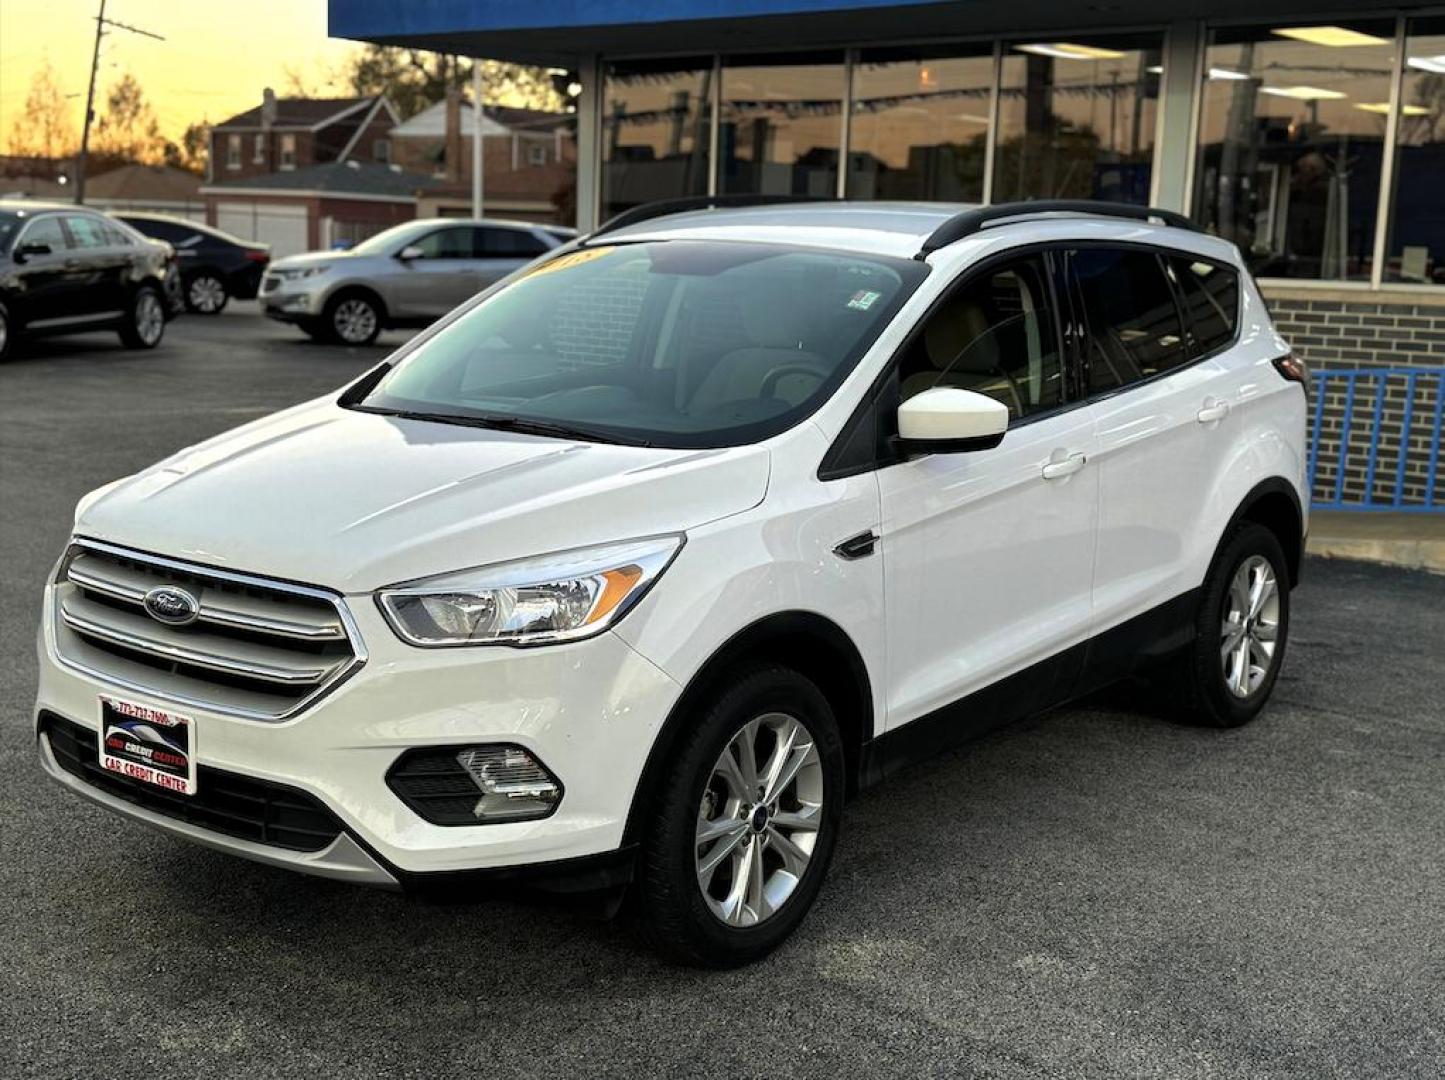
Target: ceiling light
{"points": [[1157, 69], [1434, 64], [1226, 73], [1334, 37], [1383, 108], [1303, 93], [1066, 51]]}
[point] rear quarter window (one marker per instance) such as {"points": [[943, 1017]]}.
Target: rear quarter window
{"points": [[1211, 301]]}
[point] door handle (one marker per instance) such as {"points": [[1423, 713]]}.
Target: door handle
{"points": [[1212, 412], [1057, 470]]}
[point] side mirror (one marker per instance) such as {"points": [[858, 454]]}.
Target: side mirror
{"points": [[946, 420], [410, 252], [29, 248]]}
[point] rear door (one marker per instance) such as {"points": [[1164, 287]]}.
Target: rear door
{"points": [[989, 556], [501, 249], [100, 266], [1162, 418]]}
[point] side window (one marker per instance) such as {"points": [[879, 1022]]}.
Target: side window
{"points": [[493, 243], [996, 335], [45, 230], [1211, 301], [86, 231], [1133, 330], [118, 236], [446, 244]]}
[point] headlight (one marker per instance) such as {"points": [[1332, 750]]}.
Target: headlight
{"points": [[299, 272], [562, 597]]}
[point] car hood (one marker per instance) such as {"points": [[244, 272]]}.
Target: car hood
{"points": [[312, 258], [327, 496]]}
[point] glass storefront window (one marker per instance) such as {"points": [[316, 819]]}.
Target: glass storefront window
{"points": [[1415, 251], [1076, 118], [781, 124], [1290, 144], [920, 123], [656, 125]]}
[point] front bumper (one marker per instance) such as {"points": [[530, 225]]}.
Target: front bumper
{"points": [[292, 301], [589, 710]]}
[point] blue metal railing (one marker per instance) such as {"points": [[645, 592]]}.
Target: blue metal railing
{"points": [[1346, 451]]}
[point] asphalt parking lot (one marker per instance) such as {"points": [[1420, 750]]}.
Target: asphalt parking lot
{"points": [[1096, 892]]}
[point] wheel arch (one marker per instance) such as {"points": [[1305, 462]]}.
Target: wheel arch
{"points": [[357, 288], [811, 644], [1275, 504]]}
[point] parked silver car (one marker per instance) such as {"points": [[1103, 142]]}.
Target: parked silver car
{"points": [[408, 275]]}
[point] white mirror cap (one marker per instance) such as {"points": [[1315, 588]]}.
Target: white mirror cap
{"points": [[947, 414], [411, 251]]}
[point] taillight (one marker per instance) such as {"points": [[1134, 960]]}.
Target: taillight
{"points": [[1294, 369], [259, 256]]}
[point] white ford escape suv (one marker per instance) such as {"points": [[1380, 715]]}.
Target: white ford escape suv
{"points": [[633, 568]]}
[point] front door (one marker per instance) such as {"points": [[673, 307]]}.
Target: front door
{"points": [[989, 555], [46, 279], [442, 275]]}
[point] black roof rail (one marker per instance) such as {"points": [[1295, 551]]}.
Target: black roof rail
{"points": [[664, 207], [980, 217]]}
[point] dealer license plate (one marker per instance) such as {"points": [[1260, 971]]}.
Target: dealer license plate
{"points": [[148, 745]]}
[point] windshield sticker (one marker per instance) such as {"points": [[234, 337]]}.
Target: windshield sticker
{"points": [[863, 299], [572, 258]]}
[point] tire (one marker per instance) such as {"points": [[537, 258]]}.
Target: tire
{"points": [[1213, 684], [7, 332], [205, 293], [353, 318], [716, 924], [145, 322]]}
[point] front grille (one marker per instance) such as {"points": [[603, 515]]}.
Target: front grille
{"points": [[255, 648], [224, 802], [271, 283]]}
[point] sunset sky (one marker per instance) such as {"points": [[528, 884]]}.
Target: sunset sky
{"points": [[215, 60]]}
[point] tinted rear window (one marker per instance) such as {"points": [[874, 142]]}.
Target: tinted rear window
{"points": [[1133, 321], [1211, 301]]}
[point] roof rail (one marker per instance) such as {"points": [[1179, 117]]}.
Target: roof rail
{"points": [[980, 217], [664, 207]]}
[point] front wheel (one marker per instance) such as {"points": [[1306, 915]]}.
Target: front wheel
{"points": [[1241, 630], [206, 294], [145, 322], [741, 833], [353, 319]]}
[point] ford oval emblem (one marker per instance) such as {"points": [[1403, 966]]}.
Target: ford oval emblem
{"points": [[171, 605]]}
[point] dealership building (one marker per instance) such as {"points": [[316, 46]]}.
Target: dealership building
{"points": [[1310, 134]]}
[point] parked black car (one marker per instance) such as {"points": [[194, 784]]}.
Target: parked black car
{"points": [[214, 265], [65, 269]]}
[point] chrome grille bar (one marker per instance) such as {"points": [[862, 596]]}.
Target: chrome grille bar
{"points": [[257, 648]]}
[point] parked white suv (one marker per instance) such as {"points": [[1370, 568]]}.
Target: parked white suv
{"points": [[633, 568]]}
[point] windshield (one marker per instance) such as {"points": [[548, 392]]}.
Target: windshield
{"points": [[674, 343], [386, 241]]}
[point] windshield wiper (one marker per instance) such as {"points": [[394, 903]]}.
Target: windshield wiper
{"points": [[521, 426]]}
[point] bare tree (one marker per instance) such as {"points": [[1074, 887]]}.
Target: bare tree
{"points": [[44, 126], [129, 130], [415, 78]]}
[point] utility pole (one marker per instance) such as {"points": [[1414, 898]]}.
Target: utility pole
{"points": [[477, 156], [101, 22]]}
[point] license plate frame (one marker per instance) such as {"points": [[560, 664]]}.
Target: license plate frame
{"points": [[149, 745]]}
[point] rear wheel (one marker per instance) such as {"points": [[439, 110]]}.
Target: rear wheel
{"points": [[1241, 630], [353, 318], [740, 836], [145, 322], [205, 293]]}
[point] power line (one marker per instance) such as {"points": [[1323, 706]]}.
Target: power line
{"points": [[101, 22]]}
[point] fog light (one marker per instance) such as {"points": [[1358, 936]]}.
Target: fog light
{"points": [[474, 785], [512, 783]]}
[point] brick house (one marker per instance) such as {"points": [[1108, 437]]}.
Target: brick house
{"points": [[529, 160], [285, 134]]}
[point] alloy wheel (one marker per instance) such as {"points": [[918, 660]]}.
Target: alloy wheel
{"points": [[758, 820], [355, 321], [150, 318], [206, 294], [1249, 632]]}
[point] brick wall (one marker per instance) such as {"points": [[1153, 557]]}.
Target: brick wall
{"points": [[1345, 330]]}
